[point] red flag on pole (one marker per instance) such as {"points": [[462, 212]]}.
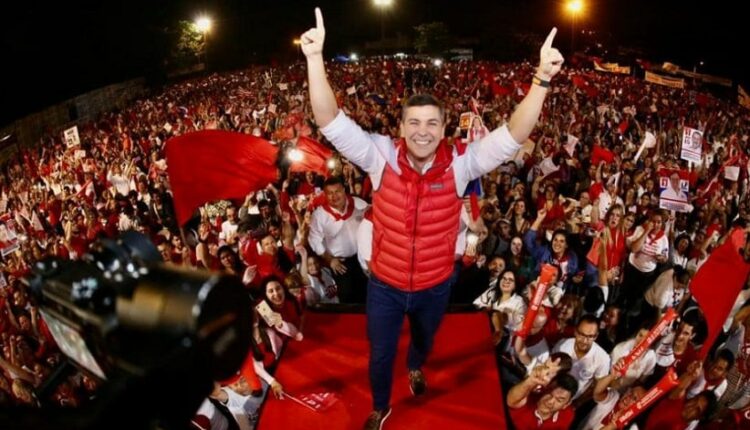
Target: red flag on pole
{"points": [[315, 157], [718, 282], [210, 165]]}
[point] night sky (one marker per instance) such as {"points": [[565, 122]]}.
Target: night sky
{"points": [[54, 51]]}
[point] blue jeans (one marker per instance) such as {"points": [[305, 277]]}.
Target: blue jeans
{"points": [[386, 308]]}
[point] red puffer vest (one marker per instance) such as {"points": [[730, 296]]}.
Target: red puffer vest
{"points": [[415, 223]]}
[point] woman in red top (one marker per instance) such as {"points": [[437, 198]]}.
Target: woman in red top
{"points": [[608, 249], [550, 202], [286, 321], [562, 323]]}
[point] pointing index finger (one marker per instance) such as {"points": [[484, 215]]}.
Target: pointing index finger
{"points": [[318, 18], [550, 37]]}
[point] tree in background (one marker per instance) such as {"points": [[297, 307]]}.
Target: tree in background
{"points": [[432, 38], [189, 46]]}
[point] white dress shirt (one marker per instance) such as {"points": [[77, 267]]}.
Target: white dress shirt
{"points": [[338, 237], [595, 364]]}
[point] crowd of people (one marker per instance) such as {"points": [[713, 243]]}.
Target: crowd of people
{"points": [[574, 197]]}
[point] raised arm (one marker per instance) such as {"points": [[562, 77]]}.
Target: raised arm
{"points": [[322, 99], [524, 118]]}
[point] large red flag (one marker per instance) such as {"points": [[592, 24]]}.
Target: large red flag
{"points": [[718, 282], [315, 156], [599, 153], [210, 165]]}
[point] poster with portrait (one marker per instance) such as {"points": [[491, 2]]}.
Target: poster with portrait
{"points": [[464, 121], [8, 237], [675, 189], [692, 145], [71, 137]]}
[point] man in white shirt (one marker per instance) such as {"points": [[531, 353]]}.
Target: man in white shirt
{"points": [[609, 197], [590, 361], [418, 185], [120, 180], [714, 376], [228, 234], [609, 402], [333, 236], [223, 409], [640, 369]]}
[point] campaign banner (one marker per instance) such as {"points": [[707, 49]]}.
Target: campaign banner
{"points": [[611, 68], [665, 80], [742, 97]]}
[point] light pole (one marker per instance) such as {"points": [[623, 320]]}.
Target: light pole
{"points": [[298, 44], [203, 24], [382, 5], [575, 7]]}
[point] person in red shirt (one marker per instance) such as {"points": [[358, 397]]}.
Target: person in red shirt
{"points": [[550, 202], [675, 412], [550, 410]]}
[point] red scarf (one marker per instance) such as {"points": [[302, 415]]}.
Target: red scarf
{"points": [[336, 216], [652, 238]]}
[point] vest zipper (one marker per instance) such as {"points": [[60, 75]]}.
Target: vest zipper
{"points": [[414, 237]]}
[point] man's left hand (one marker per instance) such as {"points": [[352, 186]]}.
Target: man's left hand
{"points": [[550, 59]]}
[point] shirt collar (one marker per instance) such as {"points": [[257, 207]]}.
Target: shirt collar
{"points": [[541, 420]]}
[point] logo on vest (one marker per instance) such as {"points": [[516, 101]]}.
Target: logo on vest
{"points": [[436, 186]]}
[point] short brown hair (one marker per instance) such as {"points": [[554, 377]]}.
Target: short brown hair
{"points": [[423, 100]]}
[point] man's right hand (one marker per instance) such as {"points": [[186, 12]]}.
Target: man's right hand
{"points": [[312, 39], [337, 266]]}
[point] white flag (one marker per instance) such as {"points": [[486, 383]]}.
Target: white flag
{"points": [[570, 147], [732, 173], [36, 224], [648, 142]]}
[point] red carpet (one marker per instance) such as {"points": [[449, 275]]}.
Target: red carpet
{"points": [[463, 384]]}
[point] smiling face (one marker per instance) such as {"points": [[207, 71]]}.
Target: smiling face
{"points": [[275, 293], [423, 128], [336, 196], [559, 244]]}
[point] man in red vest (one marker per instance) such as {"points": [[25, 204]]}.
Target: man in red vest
{"points": [[418, 183]]}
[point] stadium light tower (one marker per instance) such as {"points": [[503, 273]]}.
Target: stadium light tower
{"points": [[383, 5], [203, 24], [575, 8]]}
